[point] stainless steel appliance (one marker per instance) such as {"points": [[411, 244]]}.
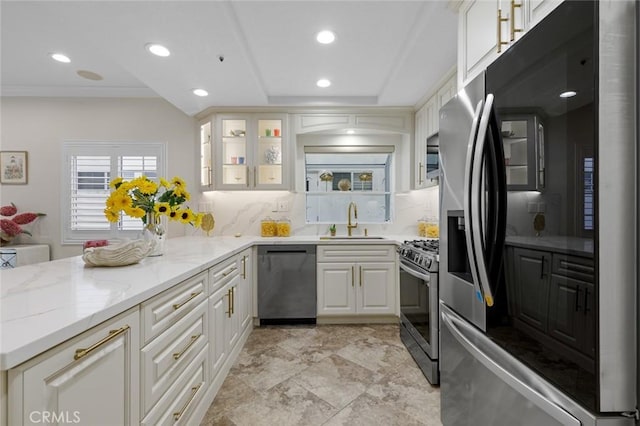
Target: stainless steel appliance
{"points": [[538, 286], [287, 284], [419, 313]]}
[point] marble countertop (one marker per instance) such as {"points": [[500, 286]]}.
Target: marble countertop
{"points": [[559, 244], [44, 304]]}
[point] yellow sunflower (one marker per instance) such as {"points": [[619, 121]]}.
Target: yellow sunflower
{"points": [[135, 212], [112, 215], [178, 182], [174, 213], [148, 187], [186, 216], [162, 208], [165, 183], [115, 182], [121, 200]]}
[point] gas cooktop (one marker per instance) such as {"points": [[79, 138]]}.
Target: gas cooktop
{"points": [[423, 253]]}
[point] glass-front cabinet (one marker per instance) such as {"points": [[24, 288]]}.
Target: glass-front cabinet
{"points": [[523, 141], [206, 155], [251, 149]]}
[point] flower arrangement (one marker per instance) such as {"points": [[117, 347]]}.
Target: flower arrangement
{"points": [[11, 225], [143, 198]]}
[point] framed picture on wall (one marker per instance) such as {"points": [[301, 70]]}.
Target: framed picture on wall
{"points": [[13, 167]]}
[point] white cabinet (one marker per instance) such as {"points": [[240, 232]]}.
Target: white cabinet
{"points": [[91, 379], [486, 28], [245, 289], [536, 10], [252, 152], [523, 141], [167, 356], [426, 129], [356, 280], [230, 306], [206, 154]]}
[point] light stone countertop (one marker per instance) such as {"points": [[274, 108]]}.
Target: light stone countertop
{"points": [[44, 304], [559, 244]]}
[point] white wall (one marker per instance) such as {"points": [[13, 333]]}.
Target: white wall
{"points": [[40, 125]]}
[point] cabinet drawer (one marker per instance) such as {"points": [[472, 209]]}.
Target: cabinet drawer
{"points": [[357, 253], [163, 310], [100, 364], [178, 403], [222, 273], [167, 355], [574, 267]]}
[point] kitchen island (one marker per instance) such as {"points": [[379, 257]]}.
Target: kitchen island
{"points": [[47, 306]]}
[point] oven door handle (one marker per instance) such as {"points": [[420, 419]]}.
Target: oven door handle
{"points": [[415, 273]]}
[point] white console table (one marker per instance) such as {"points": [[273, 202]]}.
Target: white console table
{"points": [[23, 254]]}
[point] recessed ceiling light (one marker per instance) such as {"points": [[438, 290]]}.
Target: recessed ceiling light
{"points": [[200, 92], [157, 49], [323, 82], [350, 132], [60, 57], [325, 37], [89, 75], [568, 94]]}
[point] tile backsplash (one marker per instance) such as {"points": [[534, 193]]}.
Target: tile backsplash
{"points": [[240, 212]]}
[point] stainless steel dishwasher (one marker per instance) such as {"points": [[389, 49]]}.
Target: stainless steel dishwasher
{"points": [[287, 284]]}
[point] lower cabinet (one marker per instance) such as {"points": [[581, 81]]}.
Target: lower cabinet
{"points": [[531, 273], [229, 307], [91, 379], [572, 303], [348, 287], [554, 293]]}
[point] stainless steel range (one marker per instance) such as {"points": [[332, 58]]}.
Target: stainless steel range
{"points": [[419, 315]]}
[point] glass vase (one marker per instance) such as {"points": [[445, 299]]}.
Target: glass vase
{"points": [[155, 233]]}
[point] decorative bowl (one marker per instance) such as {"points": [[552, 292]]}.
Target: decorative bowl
{"points": [[125, 253]]}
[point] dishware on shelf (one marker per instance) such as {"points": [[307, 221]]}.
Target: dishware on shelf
{"points": [[276, 132], [273, 155]]}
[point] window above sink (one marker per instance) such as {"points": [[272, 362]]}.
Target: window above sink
{"points": [[338, 175]]}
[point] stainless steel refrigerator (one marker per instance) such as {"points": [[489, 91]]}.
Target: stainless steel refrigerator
{"points": [[538, 228]]}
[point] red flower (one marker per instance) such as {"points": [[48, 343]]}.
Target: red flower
{"points": [[24, 218], [8, 210], [10, 228]]}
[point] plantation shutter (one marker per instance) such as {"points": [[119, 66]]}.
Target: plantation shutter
{"points": [[90, 167]]}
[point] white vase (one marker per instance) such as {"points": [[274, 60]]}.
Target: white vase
{"points": [[155, 233]]}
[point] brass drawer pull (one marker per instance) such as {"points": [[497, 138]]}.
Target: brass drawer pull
{"points": [[361, 276], [194, 391], [193, 296], [177, 355], [514, 30], [353, 276], [233, 300], [500, 21], [235, 268], [244, 267], [112, 335], [229, 312], [420, 173]]}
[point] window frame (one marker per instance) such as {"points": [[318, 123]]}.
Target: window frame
{"points": [[113, 149]]}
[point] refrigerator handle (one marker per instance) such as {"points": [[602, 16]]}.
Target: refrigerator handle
{"points": [[498, 199], [478, 248], [468, 175], [505, 367]]}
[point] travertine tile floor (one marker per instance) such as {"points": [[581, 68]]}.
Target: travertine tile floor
{"points": [[325, 375]]}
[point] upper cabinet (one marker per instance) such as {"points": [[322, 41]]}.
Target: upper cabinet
{"points": [[206, 154], [488, 28], [523, 141], [251, 152], [426, 135]]}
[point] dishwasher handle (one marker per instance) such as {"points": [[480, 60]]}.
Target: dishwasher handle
{"points": [[286, 249]]}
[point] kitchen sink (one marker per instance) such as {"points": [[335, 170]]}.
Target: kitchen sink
{"points": [[353, 237]]}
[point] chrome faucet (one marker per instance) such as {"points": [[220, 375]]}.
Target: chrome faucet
{"points": [[355, 216]]}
